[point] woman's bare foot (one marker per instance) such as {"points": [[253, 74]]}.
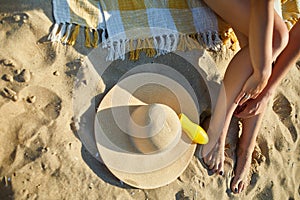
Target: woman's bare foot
{"points": [[241, 173], [244, 152], [213, 156]]}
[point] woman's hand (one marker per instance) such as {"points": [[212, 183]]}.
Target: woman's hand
{"points": [[253, 106], [253, 87]]}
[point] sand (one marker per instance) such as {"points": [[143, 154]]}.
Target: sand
{"points": [[42, 157]]}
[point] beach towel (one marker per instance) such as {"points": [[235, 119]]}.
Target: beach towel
{"points": [[154, 26]]}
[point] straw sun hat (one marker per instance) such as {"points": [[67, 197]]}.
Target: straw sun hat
{"points": [[137, 130]]}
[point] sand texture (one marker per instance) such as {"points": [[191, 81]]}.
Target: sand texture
{"points": [[42, 157]]}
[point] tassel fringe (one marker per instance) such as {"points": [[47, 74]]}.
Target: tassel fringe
{"points": [[74, 35], [290, 12], [96, 38], [155, 46], [57, 32], [88, 42], [53, 33], [87, 37], [163, 44], [229, 37], [67, 34]]}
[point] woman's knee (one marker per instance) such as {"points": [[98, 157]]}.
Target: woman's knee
{"points": [[280, 39]]}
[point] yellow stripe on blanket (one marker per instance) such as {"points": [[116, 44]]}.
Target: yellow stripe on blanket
{"points": [[131, 5], [175, 4]]}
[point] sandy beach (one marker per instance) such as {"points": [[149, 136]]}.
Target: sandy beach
{"points": [[42, 157]]}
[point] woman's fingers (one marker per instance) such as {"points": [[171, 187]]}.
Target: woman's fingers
{"points": [[251, 89], [245, 98], [255, 94], [239, 97], [245, 114], [251, 108], [244, 111]]}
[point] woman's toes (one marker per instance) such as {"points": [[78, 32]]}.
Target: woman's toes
{"points": [[221, 168], [242, 187], [238, 187], [211, 166], [218, 169], [214, 170], [206, 162], [236, 190], [235, 185]]}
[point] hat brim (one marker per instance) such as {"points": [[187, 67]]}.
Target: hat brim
{"points": [[85, 99], [160, 177], [144, 170]]}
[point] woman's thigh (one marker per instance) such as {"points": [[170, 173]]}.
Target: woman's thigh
{"points": [[237, 13]]}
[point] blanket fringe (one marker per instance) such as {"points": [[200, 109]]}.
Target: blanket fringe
{"points": [[290, 12], [162, 44], [155, 46], [91, 42], [96, 38], [111, 50], [57, 32], [229, 37], [67, 34], [53, 33], [74, 35], [87, 37], [149, 47], [60, 33]]}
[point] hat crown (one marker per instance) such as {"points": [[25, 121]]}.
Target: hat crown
{"points": [[156, 127]]}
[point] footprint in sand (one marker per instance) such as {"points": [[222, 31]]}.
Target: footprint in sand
{"points": [[282, 107], [266, 193], [26, 126], [6, 191], [14, 25], [18, 18]]}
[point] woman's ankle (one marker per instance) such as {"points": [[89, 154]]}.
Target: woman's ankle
{"points": [[245, 151]]}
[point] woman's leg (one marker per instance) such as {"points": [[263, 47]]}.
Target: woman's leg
{"points": [[237, 13], [237, 72], [244, 153], [251, 125]]}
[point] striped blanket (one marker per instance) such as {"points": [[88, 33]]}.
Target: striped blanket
{"points": [[153, 26]]}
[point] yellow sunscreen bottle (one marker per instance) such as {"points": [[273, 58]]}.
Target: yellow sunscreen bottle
{"points": [[194, 131]]}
